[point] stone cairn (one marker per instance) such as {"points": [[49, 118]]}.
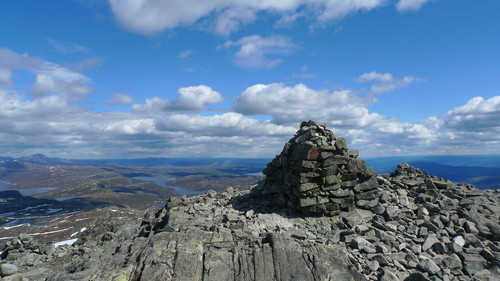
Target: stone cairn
{"points": [[317, 174]]}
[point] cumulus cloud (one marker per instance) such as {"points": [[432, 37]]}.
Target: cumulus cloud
{"points": [[262, 119], [5, 77], [294, 104], [231, 19], [50, 78], [227, 124], [150, 16], [477, 114], [194, 98], [410, 5], [121, 99], [385, 82], [12, 105], [259, 52]]}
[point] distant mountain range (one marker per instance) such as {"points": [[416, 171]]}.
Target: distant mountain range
{"points": [[481, 170]]}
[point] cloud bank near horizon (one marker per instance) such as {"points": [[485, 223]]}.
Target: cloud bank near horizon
{"points": [[46, 118]]}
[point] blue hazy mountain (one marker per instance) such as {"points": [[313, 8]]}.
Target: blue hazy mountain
{"points": [[481, 170]]}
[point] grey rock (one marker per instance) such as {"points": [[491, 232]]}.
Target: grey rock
{"points": [[428, 265], [473, 264], [417, 276], [429, 242], [388, 276], [7, 269], [15, 277], [363, 245], [486, 275]]}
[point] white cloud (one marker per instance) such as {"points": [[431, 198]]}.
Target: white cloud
{"points": [[294, 104], [88, 63], [410, 5], [151, 16], [50, 78], [66, 47], [186, 53], [194, 98], [263, 118], [5, 77], [259, 52], [10, 60], [231, 19], [121, 99], [385, 82], [478, 115], [12, 105], [304, 73], [288, 19], [227, 124]]}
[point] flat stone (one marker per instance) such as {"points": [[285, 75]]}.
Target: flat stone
{"points": [[7, 269], [330, 180], [339, 193], [363, 245], [335, 160], [391, 212], [370, 184], [307, 186], [473, 264], [430, 266], [369, 195], [389, 276], [15, 277], [330, 187], [307, 201], [367, 204]]}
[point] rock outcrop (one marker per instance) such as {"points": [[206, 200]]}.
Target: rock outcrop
{"points": [[421, 227], [317, 174]]}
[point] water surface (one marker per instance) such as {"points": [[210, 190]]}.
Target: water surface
{"points": [[26, 191], [163, 183]]}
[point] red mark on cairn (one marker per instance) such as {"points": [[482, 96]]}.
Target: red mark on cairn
{"points": [[314, 154]]}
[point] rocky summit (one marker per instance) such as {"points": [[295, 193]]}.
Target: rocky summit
{"points": [[407, 225]]}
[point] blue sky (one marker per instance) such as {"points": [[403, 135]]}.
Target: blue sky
{"points": [[128, 78]]}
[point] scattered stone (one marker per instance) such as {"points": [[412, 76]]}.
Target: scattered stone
{"points": [[7, 269], [430, 266], [319, 214]]}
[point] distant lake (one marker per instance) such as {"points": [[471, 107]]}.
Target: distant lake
{"points": [[4, 184], [27, 191], [256, 174], [163, 183]]}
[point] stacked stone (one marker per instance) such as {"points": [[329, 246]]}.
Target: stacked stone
{"points": [[316, 173]]}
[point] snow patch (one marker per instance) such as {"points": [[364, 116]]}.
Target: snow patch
{"points": [[14, 226], [65, 242]]}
